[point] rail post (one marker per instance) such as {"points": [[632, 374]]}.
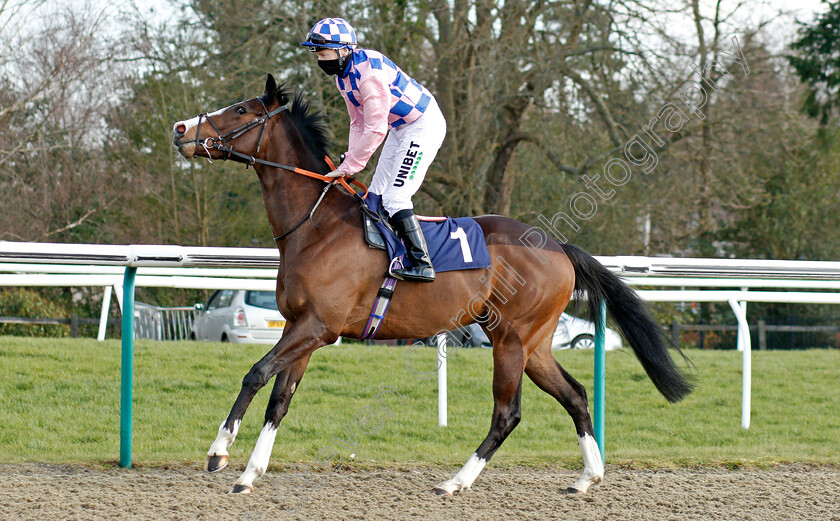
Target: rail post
{"points": [[127, 367], [441, 357], [745, 345], [103, 315], [74, 325], [600, 376], [762, 335]]}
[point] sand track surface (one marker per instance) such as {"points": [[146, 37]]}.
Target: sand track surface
{"points": [[786, 492]]}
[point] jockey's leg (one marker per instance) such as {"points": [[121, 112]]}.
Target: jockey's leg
{"points": [[386, 167], [408, 227], [409, 151]]}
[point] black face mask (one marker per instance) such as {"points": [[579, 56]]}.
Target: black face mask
{"points": [[333, 67]]}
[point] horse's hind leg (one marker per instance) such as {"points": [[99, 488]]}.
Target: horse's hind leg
{"points": [[285, 386], [507, 393], [549, 376]]}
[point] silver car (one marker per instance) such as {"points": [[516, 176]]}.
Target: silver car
{"points": [[240, 316], [577, 333], [571, 332]]}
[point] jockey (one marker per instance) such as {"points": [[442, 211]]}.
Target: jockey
{"points": [[383, 100]]}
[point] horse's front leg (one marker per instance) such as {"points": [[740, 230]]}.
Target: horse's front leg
{"points": [[299, 340], [285, 386]]}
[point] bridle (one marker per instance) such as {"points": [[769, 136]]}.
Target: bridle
{"points": [[220, 143]]}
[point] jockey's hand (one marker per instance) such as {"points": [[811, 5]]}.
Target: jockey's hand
{"points": [[335, 173]]}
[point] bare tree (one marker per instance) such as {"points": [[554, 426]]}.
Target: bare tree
{"points": [[52, 121]]}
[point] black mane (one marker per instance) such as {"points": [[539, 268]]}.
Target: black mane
{"points": [[310, 123]]}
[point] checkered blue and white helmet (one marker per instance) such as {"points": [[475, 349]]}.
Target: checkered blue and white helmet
{"points": [[330, 33]]}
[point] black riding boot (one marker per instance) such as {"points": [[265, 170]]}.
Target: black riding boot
{"points": [[408, 228]]}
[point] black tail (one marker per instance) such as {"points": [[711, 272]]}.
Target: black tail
{"points": [[633, 318]]}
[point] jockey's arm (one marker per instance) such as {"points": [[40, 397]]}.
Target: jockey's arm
{"points": [[371, 123], [356, 124]]}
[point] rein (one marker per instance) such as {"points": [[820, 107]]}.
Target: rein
{"points": [[219, 143]]}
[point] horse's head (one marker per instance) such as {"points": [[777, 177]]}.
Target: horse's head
{"points": [[239, 127]]}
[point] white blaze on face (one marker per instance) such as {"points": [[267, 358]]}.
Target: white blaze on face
{"points": [[190, 123]]}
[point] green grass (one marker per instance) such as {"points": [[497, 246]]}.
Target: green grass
{"points": [[59, 402]]}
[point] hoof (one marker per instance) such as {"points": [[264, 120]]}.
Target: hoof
{"points": [[573, 490], [216, 463], [441, 492], [241, 489]]}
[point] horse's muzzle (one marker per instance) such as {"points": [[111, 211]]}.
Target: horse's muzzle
{"points": [[185, 147]]}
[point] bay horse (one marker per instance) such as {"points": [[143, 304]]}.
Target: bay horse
{"points": [[517, 300]]}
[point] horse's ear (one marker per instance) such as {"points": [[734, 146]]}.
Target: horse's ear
{"points": [[270, 88], [274, 92]]}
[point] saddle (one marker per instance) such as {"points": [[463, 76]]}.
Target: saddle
{"points": [[453, 244], [373, 236]]}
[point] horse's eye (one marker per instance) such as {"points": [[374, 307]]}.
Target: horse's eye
{"points": [[241, 110]]}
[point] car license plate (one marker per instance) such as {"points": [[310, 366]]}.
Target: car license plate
{"points": [[276, 323]]}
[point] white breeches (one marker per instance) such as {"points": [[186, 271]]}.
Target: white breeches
{"points": [[406, 155]]}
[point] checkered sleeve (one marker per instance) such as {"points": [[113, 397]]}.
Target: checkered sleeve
{"points": [[376, 100]]}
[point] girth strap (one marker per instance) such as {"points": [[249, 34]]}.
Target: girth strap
{"points": [[380, 307]]}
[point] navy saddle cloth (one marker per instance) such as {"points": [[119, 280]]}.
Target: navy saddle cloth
{"points": [[454, 244]]}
